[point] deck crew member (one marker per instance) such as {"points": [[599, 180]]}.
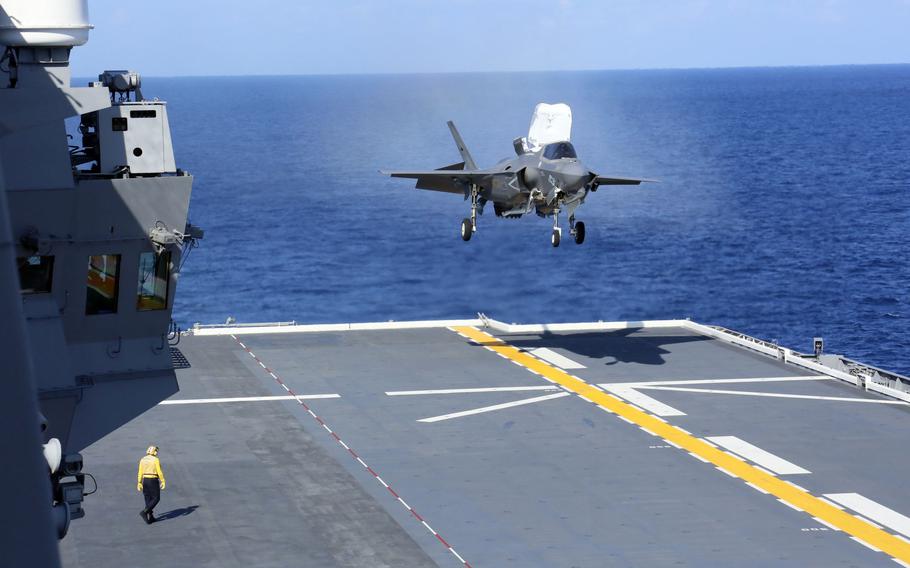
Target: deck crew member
{"points": [[150, 482]]}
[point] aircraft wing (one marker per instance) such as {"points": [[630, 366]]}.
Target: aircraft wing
{"points": [[450, 179], [611, 180]]}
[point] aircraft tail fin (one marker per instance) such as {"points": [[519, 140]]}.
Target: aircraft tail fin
{"points": [[469, 163]]}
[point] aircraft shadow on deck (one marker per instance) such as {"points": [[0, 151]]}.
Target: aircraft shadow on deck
{"points": [[620, 346]]}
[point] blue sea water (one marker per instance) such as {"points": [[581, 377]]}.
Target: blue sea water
{"points": [[782, 210]]}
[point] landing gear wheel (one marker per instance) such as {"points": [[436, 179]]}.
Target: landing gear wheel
{"points": [[579, 233], [467, 229], [554, 238]]}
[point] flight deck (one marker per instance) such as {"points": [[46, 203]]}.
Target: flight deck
{"points": [[483, 444]]}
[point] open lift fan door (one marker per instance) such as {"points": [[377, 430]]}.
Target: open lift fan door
{"points": [[549, 123]]}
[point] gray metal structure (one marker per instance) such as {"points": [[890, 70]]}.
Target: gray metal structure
{"points": [[93, 232], [477, 443], [547, 180]]}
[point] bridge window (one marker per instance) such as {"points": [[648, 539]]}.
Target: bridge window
{"points": [[143, 113], [36, 274], [154, 276], [102, 284], [559, 150]]}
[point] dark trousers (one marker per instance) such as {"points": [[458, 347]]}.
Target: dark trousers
{"points": [[151, 490]]}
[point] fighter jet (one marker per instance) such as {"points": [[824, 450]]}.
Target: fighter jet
{"points": [[545, 176]]}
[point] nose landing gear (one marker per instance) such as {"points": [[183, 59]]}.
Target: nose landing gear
{"points": [[467, 229], [556, 235]]}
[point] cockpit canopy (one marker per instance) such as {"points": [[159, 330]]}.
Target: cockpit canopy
{"points": [[558, 150]]}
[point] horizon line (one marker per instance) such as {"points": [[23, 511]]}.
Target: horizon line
{"points": [[516, 72]]}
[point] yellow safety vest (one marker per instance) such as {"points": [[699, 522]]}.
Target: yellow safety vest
{"points": [[150, 466]]}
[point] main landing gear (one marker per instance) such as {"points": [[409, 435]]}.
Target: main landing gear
{"points": [[469, 224], [576, 229]]}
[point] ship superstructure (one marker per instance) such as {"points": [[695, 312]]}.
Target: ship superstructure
{"points": [[97, 228]]}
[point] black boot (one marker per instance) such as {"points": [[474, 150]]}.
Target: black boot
{"points": [[151, 518], [144, 516]]}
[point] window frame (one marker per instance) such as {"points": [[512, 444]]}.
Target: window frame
{"points": [[158, 257], [115, 297], [22, 261]]}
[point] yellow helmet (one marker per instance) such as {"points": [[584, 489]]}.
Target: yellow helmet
{"points": [[152, 451]]}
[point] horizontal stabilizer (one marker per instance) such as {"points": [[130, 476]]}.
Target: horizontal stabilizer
{"points": [[612, 180]]}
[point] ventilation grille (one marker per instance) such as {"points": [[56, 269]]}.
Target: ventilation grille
{"points": [[178, 359]]}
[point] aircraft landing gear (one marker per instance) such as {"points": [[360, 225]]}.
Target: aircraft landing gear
{"points": [[467, 229], [579, 233], [469, 224], [577, 230], [557, 232]]}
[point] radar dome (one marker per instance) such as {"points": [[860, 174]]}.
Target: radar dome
{"points": [[48, 23]]}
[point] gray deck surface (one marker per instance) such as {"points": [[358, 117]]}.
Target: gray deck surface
{"points": [[554, 483]]}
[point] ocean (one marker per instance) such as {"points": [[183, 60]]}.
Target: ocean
{"points": [[782, 208]]}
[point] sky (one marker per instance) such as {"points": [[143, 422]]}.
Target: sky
{"points": [[300, 37]]}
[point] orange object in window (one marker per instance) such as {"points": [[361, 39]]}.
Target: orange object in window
{"points": [[102, 284]]}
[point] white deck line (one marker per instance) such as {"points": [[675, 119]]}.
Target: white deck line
{"points": [[872, 510], [780, 353], [247, 399], [421, 324], [644, 401], [582, 326], [473, 390], [721, 381], [757, 455], [493, 407], [818, 367], [555, 358], [864, 543], [317, 328], [776, 395]]}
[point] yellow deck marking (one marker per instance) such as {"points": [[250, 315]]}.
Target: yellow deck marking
{"points": [[787, 493]]}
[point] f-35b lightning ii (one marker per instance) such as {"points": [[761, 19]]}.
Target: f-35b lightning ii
{"points": [[546, 176]]}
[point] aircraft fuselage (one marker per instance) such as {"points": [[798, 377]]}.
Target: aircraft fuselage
{"points": [[536, 184]]}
